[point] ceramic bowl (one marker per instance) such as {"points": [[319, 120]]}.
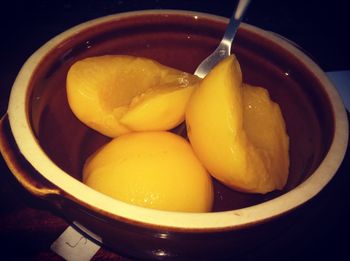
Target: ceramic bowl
{"points": [[45, 146]]}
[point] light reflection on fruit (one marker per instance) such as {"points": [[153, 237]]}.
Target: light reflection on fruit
{"points": [[235, 130]]}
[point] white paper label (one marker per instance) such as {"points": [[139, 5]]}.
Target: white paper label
{"points": [[73, 246]]}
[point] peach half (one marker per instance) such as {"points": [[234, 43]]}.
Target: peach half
{"points": [[154, 169], [238, 132], [117, 94]]}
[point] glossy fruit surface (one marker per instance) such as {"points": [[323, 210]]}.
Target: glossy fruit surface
{"points": [[117, 94], [151, 169], [237, 132]]}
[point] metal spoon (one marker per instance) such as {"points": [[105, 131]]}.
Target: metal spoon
{"points": [[224, 48]]}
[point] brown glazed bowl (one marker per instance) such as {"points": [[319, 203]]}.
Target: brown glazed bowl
{"points": [[45, 146]]}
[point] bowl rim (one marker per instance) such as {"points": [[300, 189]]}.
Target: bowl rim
{"points": [[212, 221]]}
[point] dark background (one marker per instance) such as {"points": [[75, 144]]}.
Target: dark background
{"points": [[320, 28]]}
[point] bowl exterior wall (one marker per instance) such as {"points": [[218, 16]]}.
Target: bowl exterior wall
{"points": [[181, 41]]}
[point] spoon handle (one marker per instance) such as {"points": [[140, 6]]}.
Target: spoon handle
{"points": [[224, 48], [234, 23]]}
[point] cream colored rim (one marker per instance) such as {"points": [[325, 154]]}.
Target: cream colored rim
{"points": [[31, 150]]}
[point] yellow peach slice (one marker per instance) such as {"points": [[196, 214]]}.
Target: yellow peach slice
{"points": [[237, 132], [155, 169], [167, 108], [116, 94]]}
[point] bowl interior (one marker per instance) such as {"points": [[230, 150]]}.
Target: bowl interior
{"points": [[182, 41]]}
